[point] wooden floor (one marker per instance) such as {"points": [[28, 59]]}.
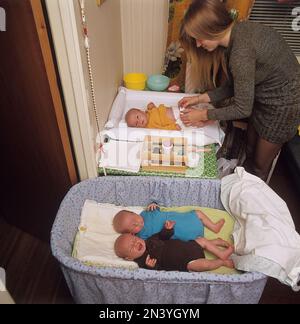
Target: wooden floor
{"points": [[33, 275], [281, 182]]}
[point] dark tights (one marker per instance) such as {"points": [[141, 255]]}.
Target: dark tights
{"points": [[260, 154]]}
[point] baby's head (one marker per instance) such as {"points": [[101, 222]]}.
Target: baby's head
{"points": [[128, 222], [136, 118], [129, 247]]}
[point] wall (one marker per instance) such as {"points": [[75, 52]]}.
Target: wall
{"points": [[144, 32], [125, 36], [104, 26]]}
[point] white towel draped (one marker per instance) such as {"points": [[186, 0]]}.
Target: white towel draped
{"points": [[264, 227]]}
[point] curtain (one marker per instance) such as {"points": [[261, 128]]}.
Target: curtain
{"points": [[175, 59], [175, 66]]}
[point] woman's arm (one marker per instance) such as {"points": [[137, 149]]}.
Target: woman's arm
{"points": [[243, 68], [221, 93]]}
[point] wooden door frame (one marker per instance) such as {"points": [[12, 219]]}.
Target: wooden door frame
{"points": [[53, 84], [67, 45]]}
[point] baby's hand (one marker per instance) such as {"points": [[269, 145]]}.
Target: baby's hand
{"points": [[150, 263], [169, 225], [151, 106], [178, 127], [152, 207]]}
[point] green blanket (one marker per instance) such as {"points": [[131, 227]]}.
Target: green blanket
{"points": [[215, 215]]}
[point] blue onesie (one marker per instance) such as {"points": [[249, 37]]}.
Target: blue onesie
{"points": [[188, 225]]}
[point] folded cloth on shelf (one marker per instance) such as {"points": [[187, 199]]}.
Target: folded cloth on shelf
{"points": [[121, 155], [264, 233]]}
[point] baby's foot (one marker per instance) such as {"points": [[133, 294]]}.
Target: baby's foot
{"points": [[218, 226], [229, 264], [222, 243], [227, 253]]}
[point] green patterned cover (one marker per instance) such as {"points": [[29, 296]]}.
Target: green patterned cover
{"points": [[206, 170]]}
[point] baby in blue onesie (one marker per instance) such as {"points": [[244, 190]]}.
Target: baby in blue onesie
{"points": [[187, 226]]}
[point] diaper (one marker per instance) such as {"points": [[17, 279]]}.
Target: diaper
{"points": [[178, 121]]}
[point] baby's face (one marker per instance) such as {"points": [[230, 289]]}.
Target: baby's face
{"points": [[133, 247], [137, 118], [133, 223]]}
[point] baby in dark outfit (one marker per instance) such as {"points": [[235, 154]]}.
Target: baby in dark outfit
{"points": [[160, 253]]}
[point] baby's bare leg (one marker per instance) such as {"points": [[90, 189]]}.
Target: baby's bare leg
{"points": [[207, 265], [215, 227], [212, 247]]}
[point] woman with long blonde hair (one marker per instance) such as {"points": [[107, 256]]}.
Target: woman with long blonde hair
{"points": [[261, 72]]}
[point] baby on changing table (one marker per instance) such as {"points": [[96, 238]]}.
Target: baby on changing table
{"points": [[189, 225], [161, 117], [160, 253]]}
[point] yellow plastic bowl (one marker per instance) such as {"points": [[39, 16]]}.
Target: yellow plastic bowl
{"points": [[135, 81]]}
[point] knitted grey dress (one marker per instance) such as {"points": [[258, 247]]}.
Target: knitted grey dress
{"points": [[265, 83]]}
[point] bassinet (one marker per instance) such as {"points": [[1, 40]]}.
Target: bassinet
{"points": [[119, 286]]}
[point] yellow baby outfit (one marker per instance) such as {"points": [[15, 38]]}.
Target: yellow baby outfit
{"points": [[157, 118]]}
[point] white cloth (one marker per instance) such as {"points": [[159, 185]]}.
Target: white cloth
{"points": [[121, 155], [264, 227], [96, 236], [176, 113]]}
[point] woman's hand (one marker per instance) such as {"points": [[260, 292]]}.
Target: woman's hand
{"points": [[193, 100], [188, 101], [194, 117], [204, 123]]}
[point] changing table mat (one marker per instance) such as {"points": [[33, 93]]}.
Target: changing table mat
{"points": [[94, 242], [116, 127]]}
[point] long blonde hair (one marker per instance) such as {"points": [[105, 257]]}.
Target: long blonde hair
{"points": [[209, 20]]}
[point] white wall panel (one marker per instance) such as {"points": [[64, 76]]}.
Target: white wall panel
{"points": [[144, 34]]}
